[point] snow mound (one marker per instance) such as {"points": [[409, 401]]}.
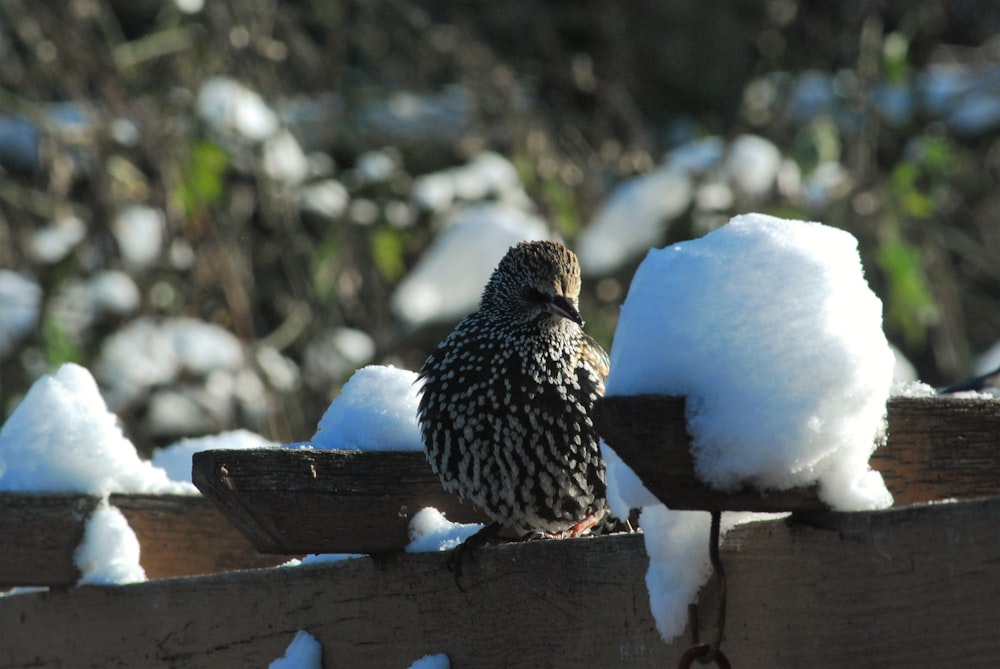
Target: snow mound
{"points": [[635, 216], [771, 331], [375, 411], [448, 280], [62, 437], [439, 661], [175, 459], [109, 552], [430, 532], [304, 652]]}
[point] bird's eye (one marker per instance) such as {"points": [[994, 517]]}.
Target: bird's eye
{"points": [[532, 294]]}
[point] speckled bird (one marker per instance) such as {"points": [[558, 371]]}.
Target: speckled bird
{"points": [[507, 399]]}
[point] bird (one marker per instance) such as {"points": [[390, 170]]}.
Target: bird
{"points": [[507, 401]]}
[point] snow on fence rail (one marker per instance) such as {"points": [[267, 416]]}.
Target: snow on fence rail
{"points": [[910, 586]]}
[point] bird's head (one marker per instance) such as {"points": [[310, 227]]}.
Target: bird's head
{"points": [[534, 279]]}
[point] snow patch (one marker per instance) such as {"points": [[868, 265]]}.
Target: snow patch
{"points": [[62, 437], [304, 652], [430, 532], [375, 411], [109, 552]]}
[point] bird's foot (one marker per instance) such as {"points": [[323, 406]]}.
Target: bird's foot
{"points": [[466, 551], [581, 528]]}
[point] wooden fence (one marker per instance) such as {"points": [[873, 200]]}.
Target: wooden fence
{"points": [[915, 586]]}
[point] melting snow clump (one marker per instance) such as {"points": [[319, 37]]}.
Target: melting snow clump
{"points": [[175, 459], [375, 411], [109, 552], [430, 532], [770, 330], [439, 661], [304, 652], [62, 437]]}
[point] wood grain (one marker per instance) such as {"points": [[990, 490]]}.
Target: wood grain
{"points": [[314, 501], [38, 535], [913, 587], [185, 535], [937, 448], [298, 501], [179, 535]]}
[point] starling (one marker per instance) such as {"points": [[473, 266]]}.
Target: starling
{"points": [[507, 398]]}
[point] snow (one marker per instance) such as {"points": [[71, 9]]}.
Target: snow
{"points": [[304, 652], [752, 164], [61, 437], [375, 411], [321, 558], [175, 459], [439, 661], [229, 106], [634, 217], [20, 305], [912, 389], [109, 552], [430, 532], [55, 241], [147, 353], [139, 231], [283, 160], [448, 280], [677, 545], [770, 330], [989, 360], [327, 198], [488, 174], [114, 292]]}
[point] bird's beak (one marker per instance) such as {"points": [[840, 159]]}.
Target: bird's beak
{"points": [[560, 306]]}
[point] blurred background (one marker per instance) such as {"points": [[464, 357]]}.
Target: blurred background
{"points": [[224, 208]]}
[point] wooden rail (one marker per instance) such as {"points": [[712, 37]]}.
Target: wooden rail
{"points": [[913, 587], [937, 448], [179, 535], [298, 501]]}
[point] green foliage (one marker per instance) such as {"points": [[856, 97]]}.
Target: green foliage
{"points": [[919, 184], [561, 204], [910, 301], [555, 195], [202, 182], [59, 345], [895, 48], [387, 246], [816, 143], [323, 264]]}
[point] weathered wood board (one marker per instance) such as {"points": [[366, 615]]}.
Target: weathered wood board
{"points": [[179, 535], [313, 501], [937, 448], [913, 587], [301, 501]]}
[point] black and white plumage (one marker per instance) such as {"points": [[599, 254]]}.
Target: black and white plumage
{"points": [[505, 408]]}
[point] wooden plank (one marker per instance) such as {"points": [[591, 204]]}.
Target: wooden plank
{"points": [[315, 501], [38, 534], [937, 448], [179, 535], [307, 501], [185, 535], [941, 448], [913, 587]]}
